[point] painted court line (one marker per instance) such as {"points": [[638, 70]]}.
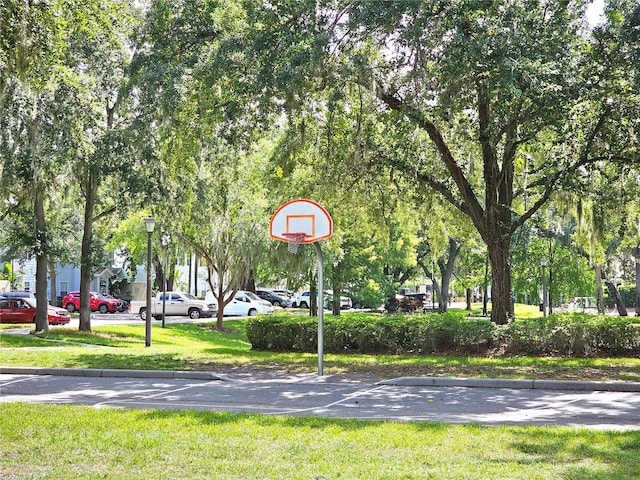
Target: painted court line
{"points": [[332, 404], [155, 395]]}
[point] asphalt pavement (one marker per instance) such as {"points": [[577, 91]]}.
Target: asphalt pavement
{"points": [[599, 405], [485, 401]]}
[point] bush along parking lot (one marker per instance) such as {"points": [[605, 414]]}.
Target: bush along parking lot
{"points": [[571, 334]]}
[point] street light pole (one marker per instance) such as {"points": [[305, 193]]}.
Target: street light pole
{"points": [[149, 224], [543, 264]]}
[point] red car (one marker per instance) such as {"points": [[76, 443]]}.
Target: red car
{"points": [[23, 310], [97, 302]]}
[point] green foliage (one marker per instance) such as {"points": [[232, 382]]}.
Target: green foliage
{"points": [[568, 272], [369, 333], [368, 294], [628, 294], [572, 334], [453, 332]]}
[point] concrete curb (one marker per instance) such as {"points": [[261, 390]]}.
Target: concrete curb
{"points": [[512, 383], [93, 372], [613, 386]]}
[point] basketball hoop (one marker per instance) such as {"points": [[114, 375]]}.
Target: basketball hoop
{"points": [[305, 221], [293, 240]]}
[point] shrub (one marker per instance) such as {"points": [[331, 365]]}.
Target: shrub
{"points": [[571, 334], [568, 334], [369, 333], [283, 333]]}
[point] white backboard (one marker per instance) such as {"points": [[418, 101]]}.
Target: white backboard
{"points": [[301, 216]]}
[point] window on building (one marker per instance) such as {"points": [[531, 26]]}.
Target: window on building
{"points": [[27, 286], [64, 288]]}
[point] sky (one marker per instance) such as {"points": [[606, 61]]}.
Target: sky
{"points": [[595, 11]]}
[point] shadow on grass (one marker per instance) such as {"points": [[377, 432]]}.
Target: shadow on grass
{"points": [[23, 341], [214, 418], [158, 361], [616, 453], [583, 454]]}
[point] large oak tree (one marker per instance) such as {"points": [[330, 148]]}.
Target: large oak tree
{"points": [[512, 97]]}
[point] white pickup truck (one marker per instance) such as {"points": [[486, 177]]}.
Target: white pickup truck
{"points": [[175, 303]]}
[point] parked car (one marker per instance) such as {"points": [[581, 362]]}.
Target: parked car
{"points": [[175, 304], [345, 302], [18, 294], [406, 303], [247, 304], [273, 298], [97, 302], [122, 305], [285, 293], [421, 298], [303, 300], [23, 310]]}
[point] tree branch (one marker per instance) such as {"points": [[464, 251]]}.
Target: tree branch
{"points": [[473, 207]]}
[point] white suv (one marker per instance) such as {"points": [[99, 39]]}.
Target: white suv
{"points": [[303, 300]]}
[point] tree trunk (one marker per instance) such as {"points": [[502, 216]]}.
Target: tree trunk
{"points": [[599, 294], [171, 276], [485, 286], [158, 267], [443, 297], [86, 255], [313, 299], [550, 289], [615, 294], [335, 301], [250, 283], [220, 294], [42, 320], [52, 284], [437, 290], [501, 304], [468, 298], [220, 299], [446, 271], [41, 244]]}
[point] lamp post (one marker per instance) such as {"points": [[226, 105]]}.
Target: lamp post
{"points": [[543, 264], [165, 243], [149, 224]]}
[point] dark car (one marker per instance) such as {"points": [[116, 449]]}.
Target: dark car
{"points": [[273, 298], [122, 305], [419, 297]]}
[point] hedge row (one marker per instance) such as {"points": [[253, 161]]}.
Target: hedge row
{"points": [[452, 332]]}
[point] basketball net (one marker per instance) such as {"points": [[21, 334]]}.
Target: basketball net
{"points": [[294, 240]]}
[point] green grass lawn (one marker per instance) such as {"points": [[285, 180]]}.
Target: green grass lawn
{"points": [[66, 442], [69, 442], [199, 347]]}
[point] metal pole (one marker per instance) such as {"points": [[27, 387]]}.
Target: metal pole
{"points": [[147, 335], [320, 309]]}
